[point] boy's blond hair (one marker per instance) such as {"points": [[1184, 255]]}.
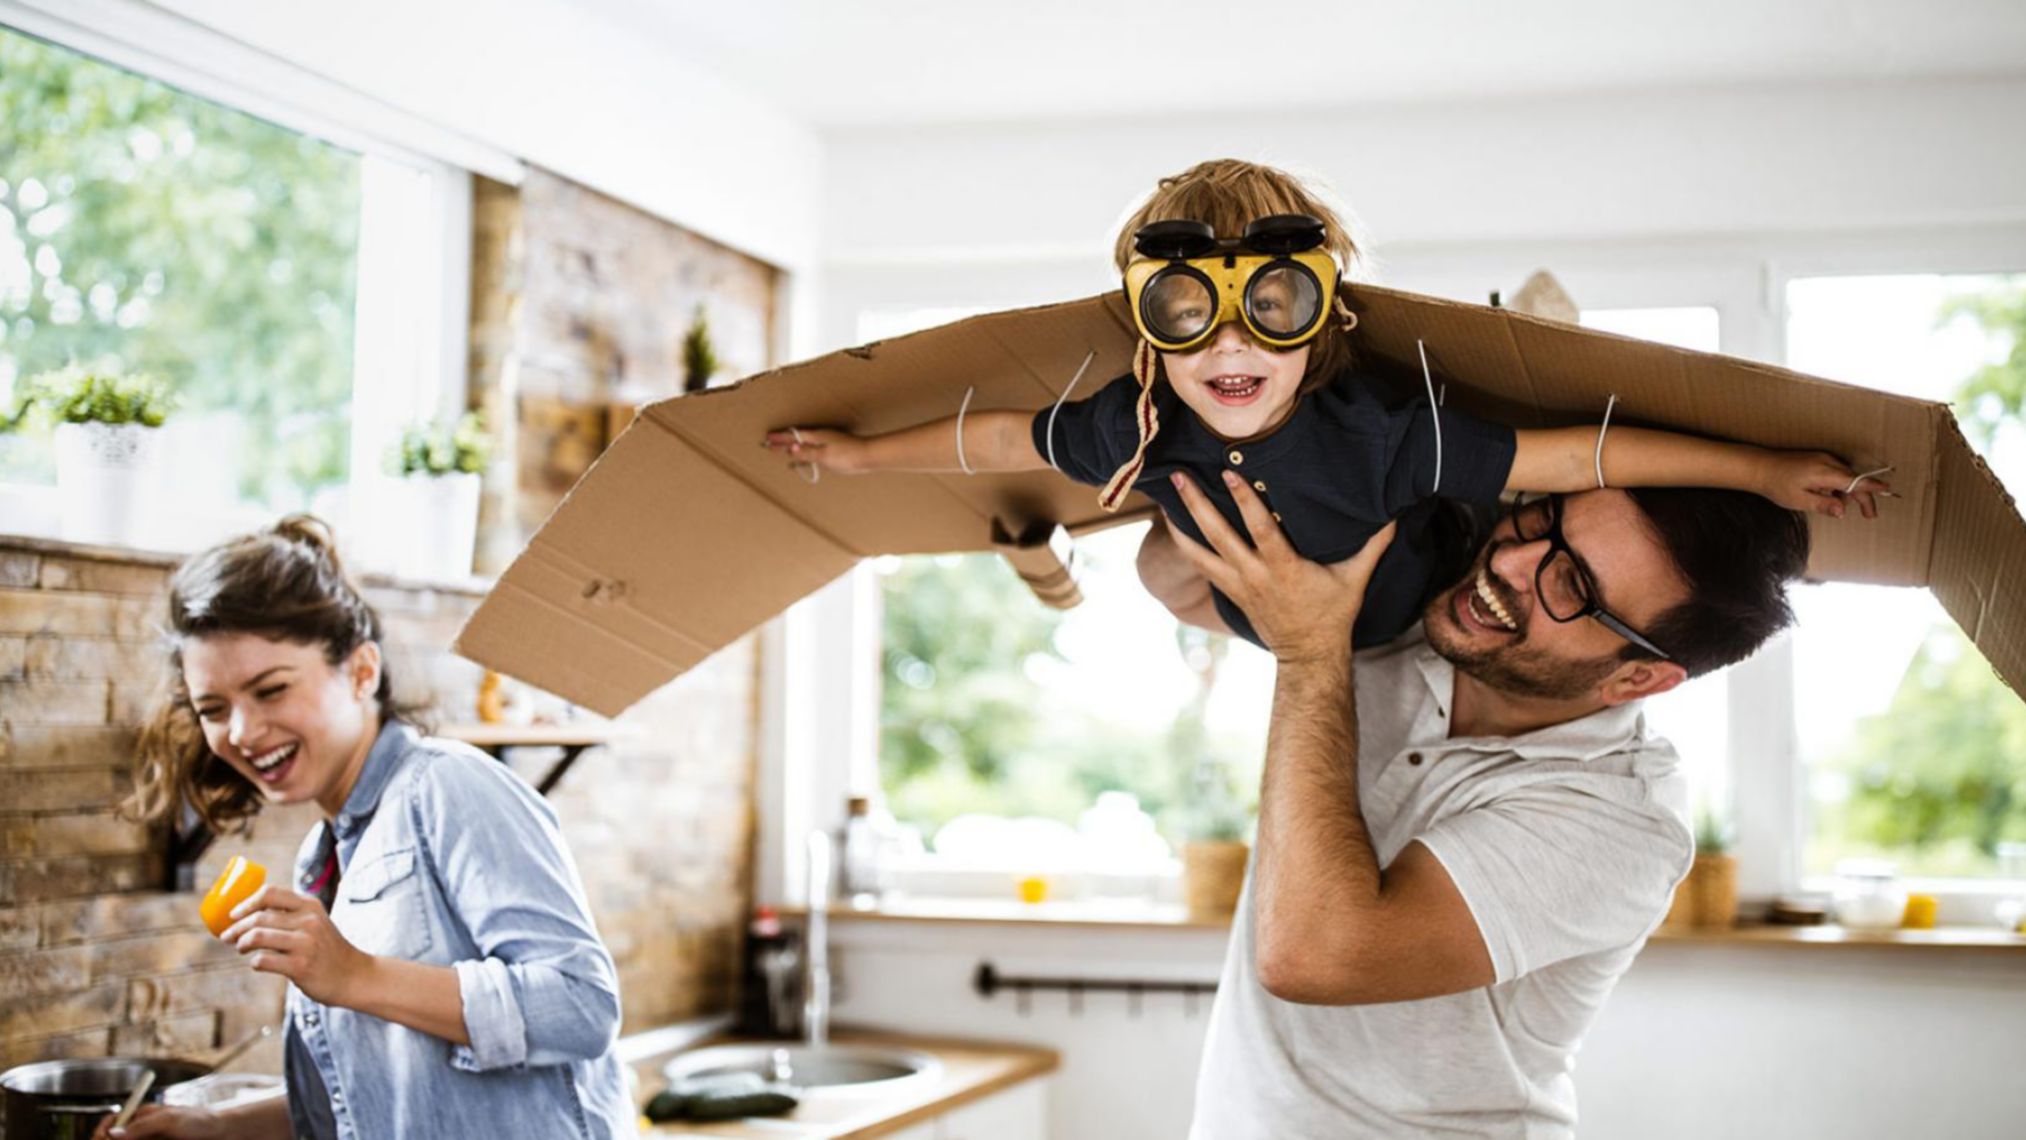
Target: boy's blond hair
{"points": [[1228, 194]]}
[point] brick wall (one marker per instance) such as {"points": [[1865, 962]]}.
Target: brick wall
{"points": [[96, 958], [580, 306]]}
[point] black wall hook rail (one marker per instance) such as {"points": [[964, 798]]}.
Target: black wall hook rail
{"points": [[988, 981]]}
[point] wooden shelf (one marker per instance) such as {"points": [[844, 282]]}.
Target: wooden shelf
{"points": [[576, 733], [573, 738], [1976, 938], [1103, 913], [1072, 912]]}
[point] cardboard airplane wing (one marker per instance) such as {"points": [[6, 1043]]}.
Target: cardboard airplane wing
{"points": [[687, 533]]}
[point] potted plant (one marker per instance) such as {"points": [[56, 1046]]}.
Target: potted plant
{"points": [[1214, 851], [107, 447], [1709, 895], [699, 357], [439, 471]]}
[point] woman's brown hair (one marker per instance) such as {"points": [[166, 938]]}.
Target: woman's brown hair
{"points": [[285, 583], [1228, 194]]}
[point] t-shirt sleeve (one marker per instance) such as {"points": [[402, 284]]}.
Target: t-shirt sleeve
{"points": [[1472, 464], [1092, 437], [1551, 872]]}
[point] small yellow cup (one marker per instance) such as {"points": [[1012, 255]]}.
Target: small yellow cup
{"points": [[1033, 889], [1920, 912]]}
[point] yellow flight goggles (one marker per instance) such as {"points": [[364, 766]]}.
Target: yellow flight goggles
{"points": [[1186, 282]]}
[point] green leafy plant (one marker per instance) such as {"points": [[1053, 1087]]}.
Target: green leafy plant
{"points": [[1714, 831], [699, 359], [1216, 811], [75, 394], [431, 449]]}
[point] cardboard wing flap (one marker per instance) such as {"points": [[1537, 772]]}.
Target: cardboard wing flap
{"points": [[1019, 360], [688, 533], [1980, 556]]}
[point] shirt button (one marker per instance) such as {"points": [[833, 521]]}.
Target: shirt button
{"points": [[337, 1098], [1414, 758], [1236, 458], [1259, 485]]}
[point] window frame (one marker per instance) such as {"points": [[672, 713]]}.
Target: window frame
{"points": [[411, 325]]}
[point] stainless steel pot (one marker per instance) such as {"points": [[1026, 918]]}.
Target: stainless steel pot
{"points": [[64, 1100]]}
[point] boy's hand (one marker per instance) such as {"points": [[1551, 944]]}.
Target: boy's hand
{"points": [[818, 449], [1818, 481]]}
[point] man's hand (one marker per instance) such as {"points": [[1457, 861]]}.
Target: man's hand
{"points": [[1300, 609]]}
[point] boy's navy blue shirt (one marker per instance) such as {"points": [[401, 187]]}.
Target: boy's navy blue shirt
{"points": [[1345, 462]]}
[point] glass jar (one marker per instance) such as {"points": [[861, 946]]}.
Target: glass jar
{"points": [[1869, 895], [2011, 910]]}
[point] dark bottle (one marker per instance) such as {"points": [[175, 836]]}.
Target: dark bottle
{"points": [[770, 999]]}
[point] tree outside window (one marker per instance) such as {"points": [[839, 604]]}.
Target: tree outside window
{"points": [[994, 704], [1916, 750], [145, 228]]}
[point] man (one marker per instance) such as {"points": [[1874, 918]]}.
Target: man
{"points": [[1466, 836]]}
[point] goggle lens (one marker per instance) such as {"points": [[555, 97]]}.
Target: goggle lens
{"points": [[1283, 300], [1178, 306]]}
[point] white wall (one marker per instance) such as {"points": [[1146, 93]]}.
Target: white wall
{"points": [[1698, 1041], [1019, 214]]}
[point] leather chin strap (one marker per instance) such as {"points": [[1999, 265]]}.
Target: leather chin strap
{"points": [[1148, 421]]}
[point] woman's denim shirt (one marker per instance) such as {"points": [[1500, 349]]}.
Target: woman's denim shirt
{"points": [[448, 858]]}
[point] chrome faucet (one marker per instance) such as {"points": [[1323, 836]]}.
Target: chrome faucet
{"points": [[816, 955]]}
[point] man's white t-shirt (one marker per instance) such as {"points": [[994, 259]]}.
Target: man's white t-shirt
{"points": [[1566, 843]]}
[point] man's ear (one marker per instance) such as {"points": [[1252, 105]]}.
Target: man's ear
{"points": [[1637, 679]]}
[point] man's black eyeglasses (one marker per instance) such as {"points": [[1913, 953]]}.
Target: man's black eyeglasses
{"points": [[1566, 588]]}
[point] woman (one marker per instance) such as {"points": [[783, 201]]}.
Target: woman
{"points": [[445, 976]]}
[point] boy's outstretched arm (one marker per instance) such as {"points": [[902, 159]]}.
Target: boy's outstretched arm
{"points": [[993, 441], [1565, 459]]}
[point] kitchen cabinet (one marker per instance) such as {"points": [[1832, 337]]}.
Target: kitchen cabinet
{"points": [[1018, 1113]]}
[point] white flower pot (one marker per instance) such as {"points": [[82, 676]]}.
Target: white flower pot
{"points": [[443, 527], [108, 480]]}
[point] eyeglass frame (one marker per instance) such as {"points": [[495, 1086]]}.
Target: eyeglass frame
{"points": [[1586, 581]]}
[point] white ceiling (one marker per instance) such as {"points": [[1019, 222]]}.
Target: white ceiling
{"points": [[845, 63]]}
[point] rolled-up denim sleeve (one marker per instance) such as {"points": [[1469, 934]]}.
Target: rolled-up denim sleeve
{"points": [[543, 989]]}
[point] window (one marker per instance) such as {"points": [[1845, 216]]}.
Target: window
{"points": [[993, 704], [1912, 749], [994, 708], [255, 269]]}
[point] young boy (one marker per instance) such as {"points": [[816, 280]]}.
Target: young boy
{"points": [[1232, 270]]}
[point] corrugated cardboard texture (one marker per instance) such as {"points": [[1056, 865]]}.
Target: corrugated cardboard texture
{"points": [[1979, 555], [688, 533]]}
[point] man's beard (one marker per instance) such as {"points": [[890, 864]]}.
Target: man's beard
{"points": [[1513, 666]]}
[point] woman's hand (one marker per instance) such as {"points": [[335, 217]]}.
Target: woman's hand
{"points": [[1818, 481], [171, 1123], [818, 449], [281, 932]]}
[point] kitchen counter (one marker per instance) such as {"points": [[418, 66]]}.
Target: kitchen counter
{"points": [[971, 1071]]}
